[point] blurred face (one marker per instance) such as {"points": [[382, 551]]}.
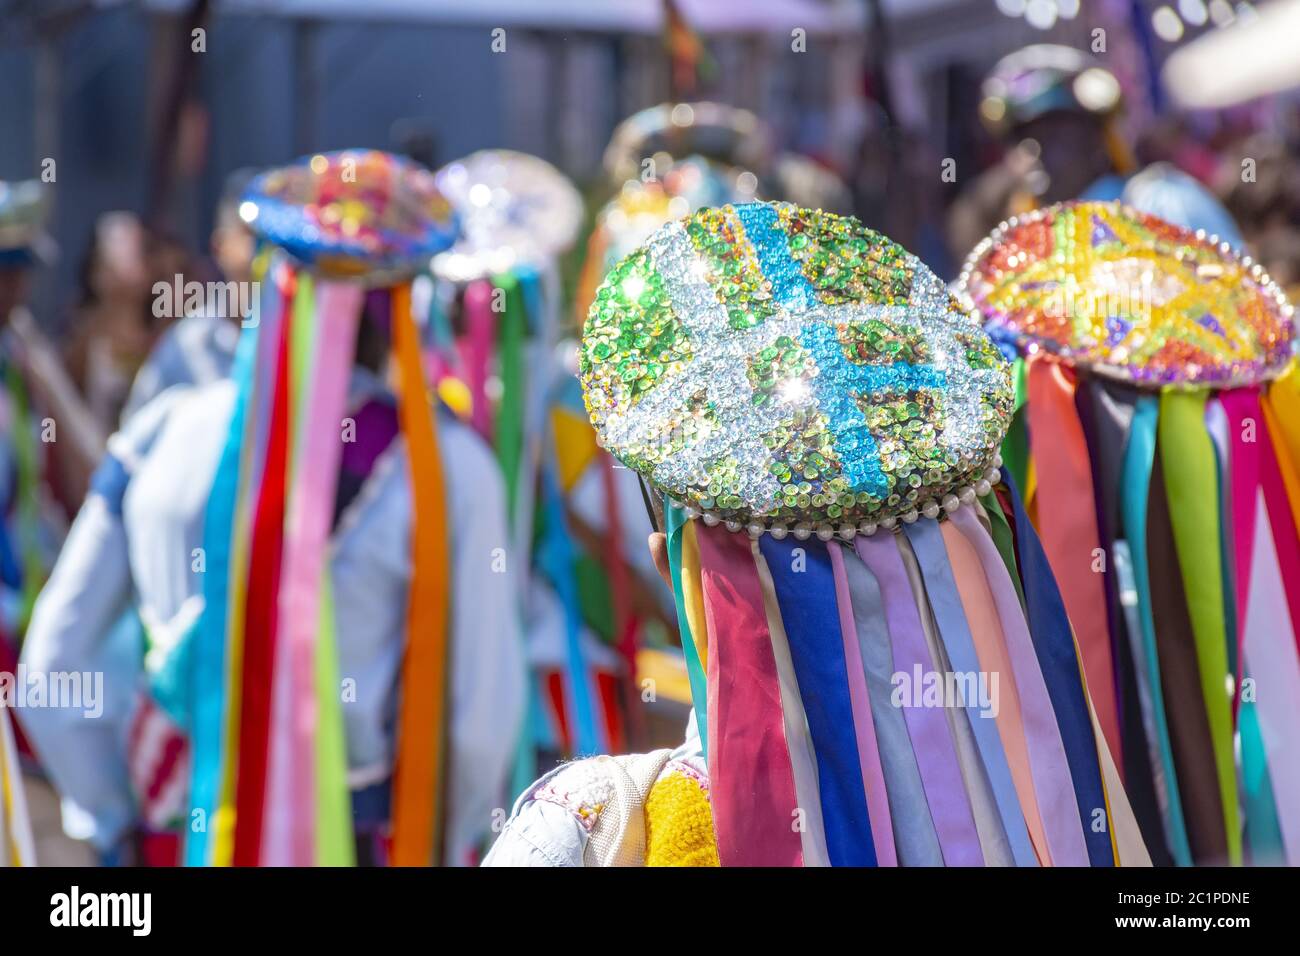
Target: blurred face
{"points": [[232, 249], [15, 282], [120, 270], [1072, 152], [166, 259]]}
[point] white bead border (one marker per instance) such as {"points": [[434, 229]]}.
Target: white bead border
{"points": [[847, 531]]}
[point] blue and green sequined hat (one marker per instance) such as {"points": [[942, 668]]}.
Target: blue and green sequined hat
{"points": [[786, 370]]}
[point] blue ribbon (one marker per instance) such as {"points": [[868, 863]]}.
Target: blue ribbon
{"points": [[941, 590], [1049, 626], [812, 626], [208, 655]]}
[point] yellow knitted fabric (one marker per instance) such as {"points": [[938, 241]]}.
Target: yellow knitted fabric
{"points": [[679, 824]]}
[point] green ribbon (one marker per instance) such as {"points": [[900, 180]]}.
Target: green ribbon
{"points": [[512, 330], [33, 567], [675, 520], [1015, 447], [1004, 541], [1192, 486], [334, 839]]}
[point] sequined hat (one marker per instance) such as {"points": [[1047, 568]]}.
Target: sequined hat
{"points": [[1044, 78], [716, 131], [780, 369], [1130, 297], [355, 213], [1157, 440], [515, 210]]}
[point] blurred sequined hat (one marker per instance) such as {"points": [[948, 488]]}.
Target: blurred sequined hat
{"points": [[360, 214], [516, 210], [1043, 78], [1157, 439], [341, 236], [793, 374], [673, 131]]}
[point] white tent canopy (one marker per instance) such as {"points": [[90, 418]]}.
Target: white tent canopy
{"points": [[1239, 62], [631, 16]]}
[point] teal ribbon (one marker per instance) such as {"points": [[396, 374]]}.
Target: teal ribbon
{"points": [[208, 655], [1135, 484], [675, 520]]}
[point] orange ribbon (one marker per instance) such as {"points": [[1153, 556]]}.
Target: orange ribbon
{"points": [[1067, 524], [418, 778]]}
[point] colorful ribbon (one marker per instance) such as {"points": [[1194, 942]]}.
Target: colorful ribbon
{"points": [[755, 810], [932, 742], [1067, 522], [805, 591], [1049, 763], [873, 775], [422, 715], [1191, 481], [1135, 482], [927, 543]]}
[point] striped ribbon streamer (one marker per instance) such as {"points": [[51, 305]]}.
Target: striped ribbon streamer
{"points": [[873, 774], [798, 739], [1049, 762], [219, 631], [927, 542], [324, 334], [915, 840], [1067, 522], [805, 590], [261, 624]]}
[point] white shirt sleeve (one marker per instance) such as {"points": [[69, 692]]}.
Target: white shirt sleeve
{"points": [[488, 680]]}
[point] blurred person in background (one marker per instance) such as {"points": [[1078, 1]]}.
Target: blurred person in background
{"points": [[112, 330], [48, 447], [125, 778], [1267, 206], [1055, 110], [200, 347]]}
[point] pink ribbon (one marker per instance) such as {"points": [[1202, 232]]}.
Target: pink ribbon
{"points": [[873, 774], [750, 778], [1053, 784], [288, 836], [476, 349]]}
